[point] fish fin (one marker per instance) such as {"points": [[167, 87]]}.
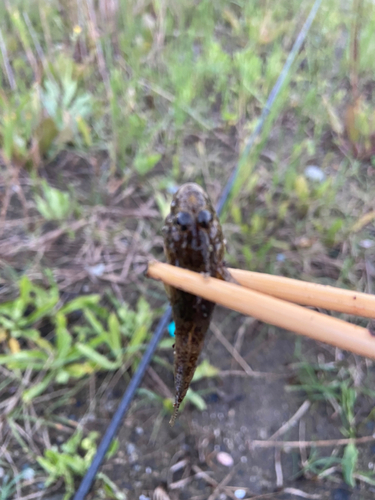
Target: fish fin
{"points": [[174, 415]]}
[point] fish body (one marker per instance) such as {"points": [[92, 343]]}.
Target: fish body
{"points": [[193, 239]]}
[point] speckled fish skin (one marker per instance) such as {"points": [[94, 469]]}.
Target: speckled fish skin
{"points": [[193, 239]]}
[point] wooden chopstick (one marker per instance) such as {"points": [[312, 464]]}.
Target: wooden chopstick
{"points": [[308, 294], [269, 309]]}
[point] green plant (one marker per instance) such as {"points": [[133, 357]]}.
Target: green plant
{"points": [[334, 385], [322, 383], [25, 133], [317, 465], [73, 460], [9, 486], [204, 370], [103, 341], [69, 106], [54, 204], [39, 120], [321, 466], [349, 463]]}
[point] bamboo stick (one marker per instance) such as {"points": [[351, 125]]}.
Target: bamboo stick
{"points": [[269, 309], [308, 294]]}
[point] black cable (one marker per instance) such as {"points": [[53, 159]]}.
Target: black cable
{"points": [[117, 418]]}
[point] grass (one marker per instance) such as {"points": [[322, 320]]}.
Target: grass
{"points": [[105, 109]]}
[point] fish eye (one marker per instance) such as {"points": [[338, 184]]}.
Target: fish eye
{"points": [[184, 220], [204, 218]]}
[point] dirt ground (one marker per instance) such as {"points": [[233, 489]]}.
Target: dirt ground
{"points": [[239, 410], [209, 454]]}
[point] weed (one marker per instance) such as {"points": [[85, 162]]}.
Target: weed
{"points": [[55, 204], [67, 351], [72, 461], [333, 384], [330, 383], [9, 486]]}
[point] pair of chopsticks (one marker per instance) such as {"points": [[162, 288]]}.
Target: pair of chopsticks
{"points": [[270, 299]]}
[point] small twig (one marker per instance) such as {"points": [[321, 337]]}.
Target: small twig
{"points": [[302, 449], [56, 233], [177, 485], [204, 476], [248, 370], [41, 422], [320, 443], [9, 224], [222, 484], [132, 250], [37, 244], [49, 396], [327, 472], [241, 335], [278, 469], [160, 494], [240, 373], [178, 465], [40, 494], [164, 391], [292, 421], [300, 493]]}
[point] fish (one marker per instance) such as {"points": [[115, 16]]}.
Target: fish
{"points": [[194, 240]]}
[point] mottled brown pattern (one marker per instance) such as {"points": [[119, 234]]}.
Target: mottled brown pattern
{"points": [[193, 239]]}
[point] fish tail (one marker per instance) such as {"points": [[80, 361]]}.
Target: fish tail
{"points": [[174, 414], [176, 407]]}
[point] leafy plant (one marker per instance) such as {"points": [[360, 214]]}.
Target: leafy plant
{"points": [[68, 105], [73, 460], [54, 204], [103, 341], [34, 120], [9, 485], [349, 463], [144, 162], [322, 382], [26, 134]]}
